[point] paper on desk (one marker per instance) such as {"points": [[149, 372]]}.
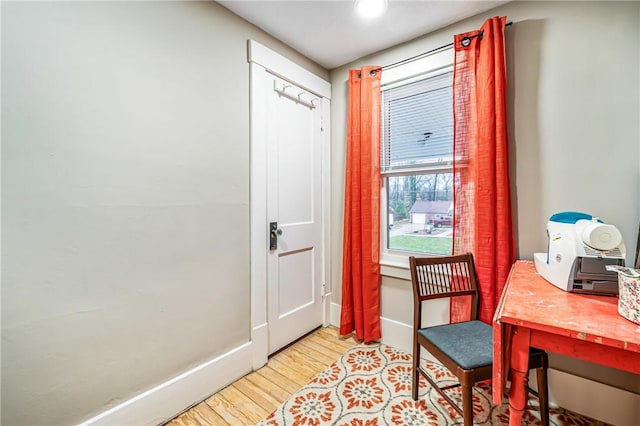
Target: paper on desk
{"points": [[624, 269]]}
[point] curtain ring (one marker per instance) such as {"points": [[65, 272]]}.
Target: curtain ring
{"points": [[465, 42], [373, 73]]}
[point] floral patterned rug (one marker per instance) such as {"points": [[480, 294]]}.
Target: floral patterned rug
{"points": [[371, 385]]}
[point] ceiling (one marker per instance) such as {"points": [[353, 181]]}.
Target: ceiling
{"points": [[330, 33]]}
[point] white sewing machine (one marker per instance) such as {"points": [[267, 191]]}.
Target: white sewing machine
{"points": [[580, 246]]}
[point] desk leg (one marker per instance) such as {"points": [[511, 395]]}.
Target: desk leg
{"points": [[500, 367], [519, 374]]}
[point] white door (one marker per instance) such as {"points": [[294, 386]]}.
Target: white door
{"points": [[294, 202]]}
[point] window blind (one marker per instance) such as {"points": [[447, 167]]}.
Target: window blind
{"points": [[417, 124]]}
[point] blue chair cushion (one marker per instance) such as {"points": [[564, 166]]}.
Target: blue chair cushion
{"points": [[469, 344]]}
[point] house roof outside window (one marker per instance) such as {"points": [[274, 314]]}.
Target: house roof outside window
{"points": [[432, 207]]}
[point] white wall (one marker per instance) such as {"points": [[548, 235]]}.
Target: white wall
{"points": [[125, 193], [573, 76], [574, 113]]}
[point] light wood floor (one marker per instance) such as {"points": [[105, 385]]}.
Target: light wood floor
{"points": [[255, 396]]}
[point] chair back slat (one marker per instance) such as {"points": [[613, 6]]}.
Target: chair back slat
{"points": [[448, 276]]}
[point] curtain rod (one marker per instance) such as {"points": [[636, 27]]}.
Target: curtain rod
{"points": [[446, 46]]}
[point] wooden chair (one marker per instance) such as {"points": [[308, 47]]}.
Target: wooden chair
{"points": [[465, 348]]}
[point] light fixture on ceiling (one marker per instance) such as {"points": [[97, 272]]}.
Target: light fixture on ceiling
{"points": [[370, 9]]}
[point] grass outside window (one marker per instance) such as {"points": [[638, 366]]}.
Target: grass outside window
{"points": [[421, 244]]}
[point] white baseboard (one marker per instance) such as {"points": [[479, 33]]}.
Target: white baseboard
{"points": [[334, 314], [394, 333], [170, 398], [326, 309], [593, 399], [260, 345], [400, 336], [397, 334]]}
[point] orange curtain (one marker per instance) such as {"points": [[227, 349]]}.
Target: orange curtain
{"points": [[361, 245], [482, 193]]}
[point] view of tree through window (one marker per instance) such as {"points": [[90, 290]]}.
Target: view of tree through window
{"points": [[417, 144]]}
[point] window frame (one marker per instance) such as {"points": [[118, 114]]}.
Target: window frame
{"points": [[395, 263]]}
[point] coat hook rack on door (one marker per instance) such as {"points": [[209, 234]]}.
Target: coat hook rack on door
{"points": [[282, 91]]}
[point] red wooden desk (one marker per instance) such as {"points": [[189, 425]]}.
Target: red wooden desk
{"points": [[533, 312]]}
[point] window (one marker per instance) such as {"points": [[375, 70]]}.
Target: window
{"points": [[417, 154]]}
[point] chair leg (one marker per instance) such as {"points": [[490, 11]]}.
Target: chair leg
{"points": [[467, 404], [416, 372], [543, 395]]}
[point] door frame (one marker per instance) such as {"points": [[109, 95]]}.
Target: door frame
{"points": [[262, 59]]}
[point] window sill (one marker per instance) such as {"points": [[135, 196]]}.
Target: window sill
{"points": [[395, 268]]}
